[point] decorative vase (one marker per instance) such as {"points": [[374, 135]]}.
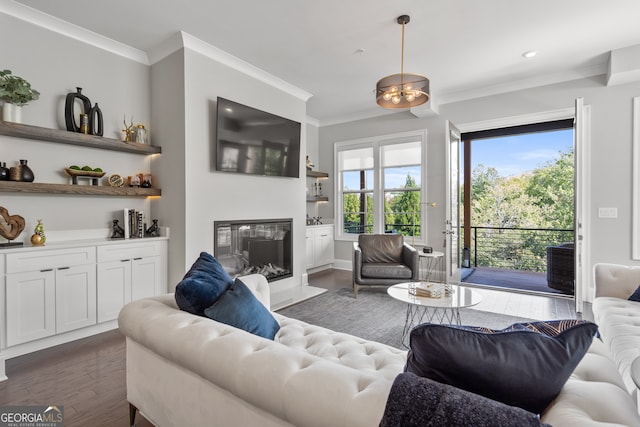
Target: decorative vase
{"points": [[69, 109], [12, 112], [95, 121], [26, 174], [4, 172], [38, 238]]}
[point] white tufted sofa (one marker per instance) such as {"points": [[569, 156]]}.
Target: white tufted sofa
{"points": [[185, 370], [617, 317]]}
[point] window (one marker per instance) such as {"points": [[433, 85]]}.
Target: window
{"points": [[379, 186]]}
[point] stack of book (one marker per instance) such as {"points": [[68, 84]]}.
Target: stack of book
{"points": [[132, 222], [428, 290]]}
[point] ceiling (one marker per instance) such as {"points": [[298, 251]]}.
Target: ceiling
{"points": [[337, 50]]}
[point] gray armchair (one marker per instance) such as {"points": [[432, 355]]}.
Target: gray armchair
{"points": [[383, 260]]}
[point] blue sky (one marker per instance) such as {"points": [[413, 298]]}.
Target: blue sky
{"points": [[513, 155], [510, 155]]}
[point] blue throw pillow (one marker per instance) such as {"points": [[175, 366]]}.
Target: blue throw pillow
{"points": [[203, 284], [238, 307], [519, 366], [635, 296]]}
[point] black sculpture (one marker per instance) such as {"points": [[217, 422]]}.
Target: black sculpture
{"points": [[118, 232], [69, 109], [154, 230]]}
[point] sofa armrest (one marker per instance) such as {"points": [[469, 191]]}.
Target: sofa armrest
{"points": [[259, 285], [411, 258], [615, 280], [356, 268]]}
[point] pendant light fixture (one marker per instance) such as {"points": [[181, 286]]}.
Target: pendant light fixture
{"points": [[402, 90]]}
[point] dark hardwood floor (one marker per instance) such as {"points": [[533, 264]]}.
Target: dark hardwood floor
{"points": [[87, 376]]}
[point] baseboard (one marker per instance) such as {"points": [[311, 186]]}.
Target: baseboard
{"points": [[342, 264]]}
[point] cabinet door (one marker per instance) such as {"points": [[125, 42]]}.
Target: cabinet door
{"points": [[31, 306], [324, 246], [114, 288], [311, 262], [75, 297], [145, 277]]}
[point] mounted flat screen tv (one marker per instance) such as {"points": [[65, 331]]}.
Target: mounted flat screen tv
{"points": [[256, 142]]}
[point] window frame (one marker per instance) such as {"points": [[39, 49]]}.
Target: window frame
{"points": [[376, 143]]}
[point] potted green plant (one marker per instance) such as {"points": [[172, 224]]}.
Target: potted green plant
{"points": [[15, 92]]}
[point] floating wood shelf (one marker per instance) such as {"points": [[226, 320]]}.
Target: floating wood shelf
{"points": [[318, 199], [85, 190], [73, 138], [317, 174]]}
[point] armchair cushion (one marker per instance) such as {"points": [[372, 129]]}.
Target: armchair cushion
{"points": [[386, 270], [381, 248]]}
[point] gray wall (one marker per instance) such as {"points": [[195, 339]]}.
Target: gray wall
{"points": [[55, 64], [610, 169]]}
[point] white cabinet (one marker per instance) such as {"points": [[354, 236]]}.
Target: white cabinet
{"points": [[49, 292], [128, 272], [319, 245]]}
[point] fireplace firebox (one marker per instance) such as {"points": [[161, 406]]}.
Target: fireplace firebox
{"points": [[255, 246]]}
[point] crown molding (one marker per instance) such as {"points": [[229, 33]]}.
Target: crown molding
{"points": [[516, 85], [185, 40], [313, 121], [57, 25]]}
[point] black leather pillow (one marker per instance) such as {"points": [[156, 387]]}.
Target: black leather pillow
{"points": [[524, 365]]}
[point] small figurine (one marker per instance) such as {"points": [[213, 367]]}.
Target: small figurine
{"points": [[128, 130], [118, 232], [310, 164], [38, 238], [154, 230]]}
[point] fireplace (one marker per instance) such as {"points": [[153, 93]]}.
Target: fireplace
{"points": [[255, 246]]}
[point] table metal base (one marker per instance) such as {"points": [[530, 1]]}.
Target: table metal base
{"points": [[417, 314]]}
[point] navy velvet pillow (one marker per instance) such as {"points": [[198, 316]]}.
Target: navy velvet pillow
{"points": [[239, 308], [520, 366], [635, 296], [420, 402], [203, 284]]}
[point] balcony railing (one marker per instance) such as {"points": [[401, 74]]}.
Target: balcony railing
{"points": [[515, 248]]}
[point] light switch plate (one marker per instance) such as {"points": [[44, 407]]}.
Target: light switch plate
{"points": [[607, 212]]}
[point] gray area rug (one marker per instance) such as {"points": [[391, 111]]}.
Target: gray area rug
{"points": [[376, 316]]}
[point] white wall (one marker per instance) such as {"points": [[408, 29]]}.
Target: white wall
{"points": [[202, 195], [610, 168], [55, 64]]}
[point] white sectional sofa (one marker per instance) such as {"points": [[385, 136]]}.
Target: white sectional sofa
{"points": [[617, 317], [183, 369]]}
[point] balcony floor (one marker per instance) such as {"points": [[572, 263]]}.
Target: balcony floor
{"points": [[527, 281]]}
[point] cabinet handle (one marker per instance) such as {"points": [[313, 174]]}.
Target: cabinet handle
{"points": [[137, 259], [64, 268], [48, 269], [125, 260]]}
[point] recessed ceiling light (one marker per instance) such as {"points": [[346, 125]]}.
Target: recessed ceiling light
{"points": [[530, 54]]}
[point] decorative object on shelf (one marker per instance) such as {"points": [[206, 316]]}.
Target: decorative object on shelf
{"points": [[38, 238], [10, 227], [21, 172], [134, 181], [310, 164], [4, 172], [128, 130], [15, 92], [96, 123], [115, 180], [84, 124], [118, 232], [153, 230], [141, 135], [69, 109], [402, 90], [146, 180], [76, 172]]}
